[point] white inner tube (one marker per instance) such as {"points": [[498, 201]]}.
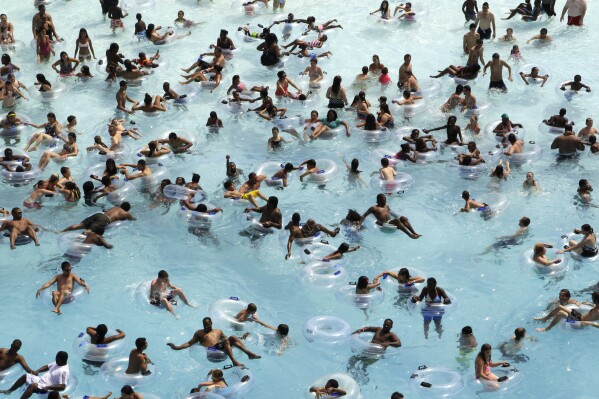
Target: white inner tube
{"points": [[290, 122], [564, 241], [10, 374], [317, 252], [326, 329], [571, 95], [149, 181], [434, 310], [436, 382], [361, 344], [13, 47], [70, 388], [527, 262], [202, 353], [411, 110], [348, 295], [142, 295], [482, 106], [571, 324], [240, 381], [428, 88], [252, 225], [513, 378], [233, 107], [113, 372], [469, 172], [378, 154], [323, 275], [138, 5], [72, 244], [327, 169], [347, 383], [182, 193], [496, 203], [124, 191], [98, 352], [404, 288], [544, 128], [223, 312], [269, 169], [77, 295], [202, 220], [530, 152], [401, 182], [58, 90], [520, 133], [200, 395], [527, 68], [375, 136]]}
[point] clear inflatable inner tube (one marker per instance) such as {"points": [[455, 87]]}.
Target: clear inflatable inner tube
{"points": [[58, 90], [346, 382], [544, 128], [98, 352], [428, 88], [386, 228], [10, 374], [124, 191], [202, 220], [436, 382], [361, 344], [520, 133], [482, 107], [182, 193], [375, 136], [187, 93], [328, 134], [287, 123], [496, 203], [234, 107], [14, 131], [400, 183], [531, 152], [24, 239], [71, 243], [240, 381], [378, 154], [564, 242], [527, 262], [323, 275], [142, 296], [78, 294], [404, 288], [113, 372], [223, 312], [316, 252], [299, 242], [251, 224], [200, 395], [411, 110], [327, 170], [162, 159], [543, 71], [248, 9], [12, 48], [149, 181], [269, 169], [434, 310], [326, 329], [572, 95], [201, 353], [347, 294], [469, 172], [17, 177], [509, 376], [571, 324]]}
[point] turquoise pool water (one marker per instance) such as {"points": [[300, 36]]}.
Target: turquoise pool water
{"points": [[495, 293]]}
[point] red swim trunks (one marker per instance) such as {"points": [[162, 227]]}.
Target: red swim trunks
{"points": [[574, 21]]}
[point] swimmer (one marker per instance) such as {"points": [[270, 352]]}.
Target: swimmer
{"points": [[8, 156], [467, 340], [482, 367], [454, 133], [530, 183], [353, 173], [470, 10], [584, 190], [384, 215], [509, 36], [540, 257], [469, 100], [473, 125], [200, 76], [470, 39], [20, 226], [588, 130], [337, 254], [500, 172], [513, 239], [567, 143], [331, 389], [308, 230], [384, 10], [232, 192], [462, 72], [217, 381], [213, 338], [515, 54], [407, 99], [382, 335], [99, 221], [150, 104], [122, 98], [561, 312], [336, 94], [506, 127], [163, 292], [66, 65], [237, 85], [471, 204], [314, 73], [54, 380], [200, 208], [524, 9], [311, 168], [270, 213], [275, 143], [454, 100], [559, 120], [69, 149], [281, 331], [406, 12], [386, 172], [511, 348], [213, 120], [542, 37], [497, 65], [575, 85], [587, 246], [187, 23], [231, 169], [64, 286], [593, 145], [116, 14], [9, 357], [403, 277], [138, 360], [432, 294], [311, 22], [534, 74]]}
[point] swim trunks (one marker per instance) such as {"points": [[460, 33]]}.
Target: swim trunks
{"points": [[116, 23], [499, 84], [96, 222], [484, 33], [574, 21], [251, 193]]}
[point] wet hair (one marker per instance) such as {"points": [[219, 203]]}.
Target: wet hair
{"points": [[140, 343], [295, 218], [283, 329], [538, 249], [343, 248], [365, 70], [481, 354], [353, 216], [586, 227], [127, 390], [385, 162], [467, 330], [195, 178], [355, 163], [362, 282], [370, 123], [126, 206], [273, 201], [228, 184], [525, 221], [397, 395], [62, 357], [465, 195], [201, 208], [288, 167], [336, 86], [252, 307], [520, 333], [101, 330], [64, 264], [332, 383]]}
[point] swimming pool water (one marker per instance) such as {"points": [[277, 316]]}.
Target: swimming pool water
{"points": [[495, 294]]}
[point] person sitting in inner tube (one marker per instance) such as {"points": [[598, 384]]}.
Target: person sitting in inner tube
{"points": [[482, 367], [540, 255], [331, 389], [217, 381], [505, 127], [138, 360], [534, 74], [308, 230], [471, 203], [192, 206], [282, 331], [559, 121], [386, 172], [54, 380], [561, 312], [9, 156], [469, 160], [382, 213], [515, 145], [382, 335], [64, 286], [337, 254], [163, 292], [405, 153], [575, 85], [19, 226], [9, 357], [232, 192], [511, 348]]}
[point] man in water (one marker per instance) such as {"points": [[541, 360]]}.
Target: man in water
{"points": [[216, 339], [476, 53], [64, 286], [122, 98], [470, 39], [512, 239], [9, 357], [470, 10], [576, 10], [571, 315], [383, 215], [497, 66], [270, 213], [485, 21], [308, 230], [56, 378], [138, 360], [559, 121], [588, 130], [163, 292], [511, 348], [99, 221], [19, 226], [382, 335], [567, 143]]}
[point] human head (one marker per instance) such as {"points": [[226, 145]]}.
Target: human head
{"points": [[283, 329], [61, 358], [381, 199], [141, 344], [431, 283], [207, 323], [524, 221], [384, 162], [387, 325], [343, 248], [272, 202], [520, 333], [465, 195], [362, 282], [466, 330], [66, 267], [295, 219], [332, 384], [127, 390], [485, 353], [397, 395]]}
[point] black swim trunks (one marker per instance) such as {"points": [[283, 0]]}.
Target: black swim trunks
{"points": [[96, 222], [499, 84]]}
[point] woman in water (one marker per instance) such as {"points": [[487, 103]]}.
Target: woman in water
{"points": [[384, 10], [587, 246], [361, 104], [51, 131], [314, 73], [43, 47], [500, 172], [433, 297], [84, 47], [69, 149], [283, 84], [530, 184], [330, 122], [271, 53], [213, 81], [154, 150], [150, 104], [482, 368], [363, 287], [403, 277], [275, 143], [336, 94], [66, 65], [217, 380]]}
